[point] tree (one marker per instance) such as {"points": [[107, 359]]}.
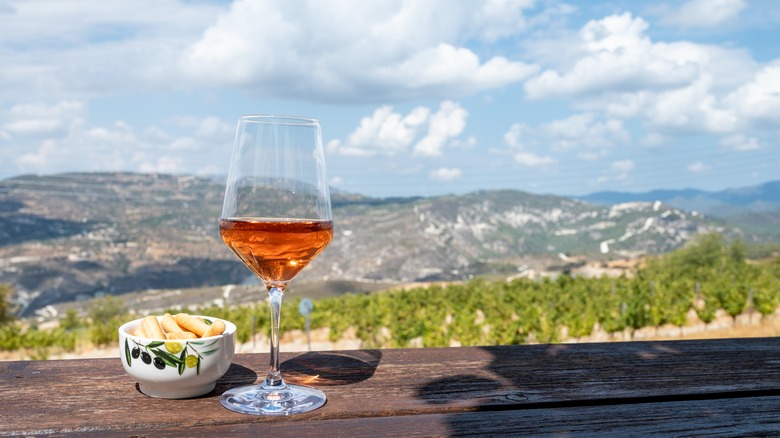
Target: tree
{"points": [[705, 252], [71, 320], [6, 309], [105, 308], [737, 251]]}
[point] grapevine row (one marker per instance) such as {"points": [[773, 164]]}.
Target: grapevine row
{"points": [[703, 277]]}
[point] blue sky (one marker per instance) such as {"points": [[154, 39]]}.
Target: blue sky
{"points": [[416, 98]]}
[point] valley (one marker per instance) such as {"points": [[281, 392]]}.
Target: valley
{"points": [[71, 237]]}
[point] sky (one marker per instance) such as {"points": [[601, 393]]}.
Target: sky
{"points": [[415, 97]]}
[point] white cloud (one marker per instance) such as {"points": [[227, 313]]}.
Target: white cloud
{"points": [[445, 174], [449, 122], [653, 140], [54, 50], [39, 119], [583, 133], [469, 143], [530, 159], [691, 109], [388, 133], [705, 13], [521, 139], [618, 171], [622, 168], [206, 132], [89, 21], [698, 167], [501, 18], [457, 69], [60, 139], [164, 164], [673, 87], [515, 137], [346, 51], [33, 126], [593, 138], [739, 142], [625, 105], [67, 67], [39, 109], [211, 126], [615, 55], [184, 144], [387, 50], [385, 132], [758, 101]]}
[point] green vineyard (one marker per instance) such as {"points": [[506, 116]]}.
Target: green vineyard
{"points": [[705, 276]]}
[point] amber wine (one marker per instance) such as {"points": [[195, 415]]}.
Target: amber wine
{"points": [[276, 250]]}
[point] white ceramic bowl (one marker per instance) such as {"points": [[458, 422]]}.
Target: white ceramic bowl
{"points": [[176, 368]]}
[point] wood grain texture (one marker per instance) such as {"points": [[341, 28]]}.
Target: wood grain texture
{"points": [[676, 388], [754, 417]]}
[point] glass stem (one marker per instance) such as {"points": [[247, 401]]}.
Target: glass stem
{"points": [[274, 377]]}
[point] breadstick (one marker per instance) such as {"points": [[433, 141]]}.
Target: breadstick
{"points": [[216, 328], [181, 335], [169, 324], [152, 327], [138, 331], [190, 323]]}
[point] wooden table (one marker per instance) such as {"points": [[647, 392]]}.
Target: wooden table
{"points": [[725, 387]]}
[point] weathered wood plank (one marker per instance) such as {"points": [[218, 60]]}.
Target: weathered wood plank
{"points": [[364, 386], [752, 416]]}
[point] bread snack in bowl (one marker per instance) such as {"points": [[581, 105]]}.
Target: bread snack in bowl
{"points": [[174, 360]]}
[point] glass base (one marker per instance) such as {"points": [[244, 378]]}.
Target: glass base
{"points": [[287, 400]]}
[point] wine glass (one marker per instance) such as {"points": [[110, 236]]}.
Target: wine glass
{"points": [[276, 218]]}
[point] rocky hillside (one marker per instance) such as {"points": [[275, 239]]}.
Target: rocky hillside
{"points": [[73, 236], [755, 208], [453, 236]]}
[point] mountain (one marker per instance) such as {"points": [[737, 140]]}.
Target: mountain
{"points": [[73, 236], [755, 209], [758, 198]]}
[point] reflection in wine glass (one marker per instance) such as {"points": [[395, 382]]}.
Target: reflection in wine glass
{"points": [[276, 218]]}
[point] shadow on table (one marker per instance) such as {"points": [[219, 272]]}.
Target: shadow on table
{"points": [[499, 385], [237, 375], [515, 378], [447, 389], [331, 368]]}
